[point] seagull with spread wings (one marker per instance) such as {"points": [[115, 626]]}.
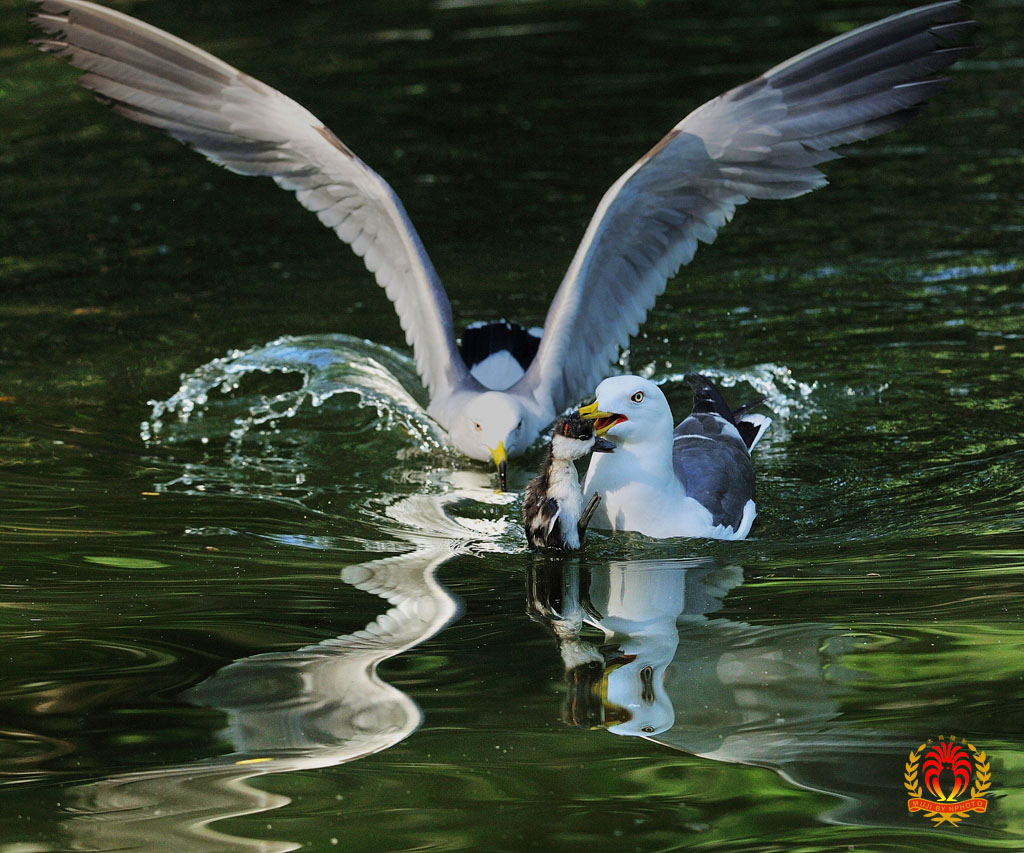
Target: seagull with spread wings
{"points": [[495, 395]]}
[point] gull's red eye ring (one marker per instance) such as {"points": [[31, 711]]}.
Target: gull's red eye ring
{"points": [[638, 397]]}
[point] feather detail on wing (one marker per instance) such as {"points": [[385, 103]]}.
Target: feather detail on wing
{"points": [[760, 140], [154, 78]]}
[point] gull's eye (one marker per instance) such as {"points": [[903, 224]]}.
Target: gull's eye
{"points": [[519, 426], [638, 397], [477, 426]]}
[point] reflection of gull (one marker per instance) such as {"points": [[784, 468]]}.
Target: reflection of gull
{"points": [[640, 603], [318, 706], [727, 691], [636, 606], [762, 140], [773, 696]]}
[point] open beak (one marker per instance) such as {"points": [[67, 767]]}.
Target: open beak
{"points": [[614, 714], [603, 421], [500, 458]]}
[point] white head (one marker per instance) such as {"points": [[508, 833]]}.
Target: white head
{"points": [[569, 449], [638, 687], [630, 409], [492, 426]]}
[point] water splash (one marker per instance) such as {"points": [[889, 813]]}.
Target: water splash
{"points": [[787, 396], [327, 365]]}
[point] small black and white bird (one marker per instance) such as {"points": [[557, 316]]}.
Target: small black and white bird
{"points": [[695, 480], [553, 511]]}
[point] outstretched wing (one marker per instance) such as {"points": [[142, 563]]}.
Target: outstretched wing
{"points": [[759, 140], [154, 78]]}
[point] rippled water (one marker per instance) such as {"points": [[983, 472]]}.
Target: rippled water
{"points": [[251, 602]]}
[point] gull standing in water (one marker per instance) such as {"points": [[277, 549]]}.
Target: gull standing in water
{"points": [[696, 480], [762, 139]]}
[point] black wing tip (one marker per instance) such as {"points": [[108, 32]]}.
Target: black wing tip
{"points": [[949, 25], [955, 39], [707, 397], [747, 407]]}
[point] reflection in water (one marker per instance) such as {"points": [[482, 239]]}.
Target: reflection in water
{"points": [[658, 666], [318, 706], [618, 682], [325, 704]]}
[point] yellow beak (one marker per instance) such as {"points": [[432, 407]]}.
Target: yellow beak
{"points": [[500, 458], [592, 413], [613, 714]]}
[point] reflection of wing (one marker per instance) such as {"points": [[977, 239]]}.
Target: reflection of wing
{"points": [[767, 686], [772, 696], [317, 706], [328, 698], [153, 78], [171, 810], [420, 605], [760, 140]]}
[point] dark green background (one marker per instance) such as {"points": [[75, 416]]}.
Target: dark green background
{"points": [[891, 497]]}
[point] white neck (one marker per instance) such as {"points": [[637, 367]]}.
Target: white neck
{"points": [[564, 486], [563, 479], [649, 459]]}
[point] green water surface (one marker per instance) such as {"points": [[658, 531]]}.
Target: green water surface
{"points": [[324, 631]]}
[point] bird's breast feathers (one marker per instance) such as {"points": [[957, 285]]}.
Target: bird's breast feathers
{"points": [[564, 487], [658, 508]]}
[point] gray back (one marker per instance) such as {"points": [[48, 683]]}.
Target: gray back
{"points": [[714, 467]]}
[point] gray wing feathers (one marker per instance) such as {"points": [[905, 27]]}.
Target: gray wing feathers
{"points": [[154, 78], [718, 474], [646, 228], [763, 139], [714, 467]]}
